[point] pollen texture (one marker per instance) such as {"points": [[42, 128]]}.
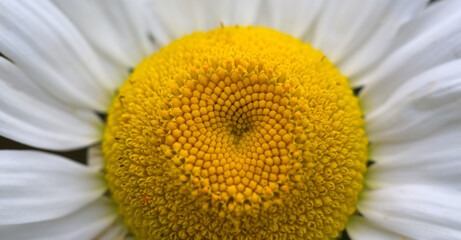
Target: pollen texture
{"points": [[236, 133]]}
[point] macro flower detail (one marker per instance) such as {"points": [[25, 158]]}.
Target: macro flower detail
{"points": [[230, 119], [235, 133]]}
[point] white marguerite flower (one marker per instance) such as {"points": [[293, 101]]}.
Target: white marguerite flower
{"points": [[235, 133]]}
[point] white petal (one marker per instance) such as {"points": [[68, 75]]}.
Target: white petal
{"points": [[294, 17], [116, 231], [37, 186], [230, 12], [359, 228], [416, 211], [429, 40], [84, 224], [185, 20], [420, 106], [48, 48], [30, 116], [94, 157], [116, 28], [415, 134], [433, 160], [344, 26], [159, 33], [15, 77], [201, 15], [380, 38]]}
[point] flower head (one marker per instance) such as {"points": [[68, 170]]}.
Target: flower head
{"points": [[245, 120]]}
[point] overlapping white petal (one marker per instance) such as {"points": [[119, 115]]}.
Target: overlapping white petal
{"points": [[344, 25], [116, 231], [51, 51], [434, 160], [14, 77], [87, 223], [416, 133], [31, 116], [420, 106], [382, 28], [294, 17], [94, 157], [188, 17], [229, 12], [360, 228], [430, 39], [200, 15], [118, 29], [37, 186], [416, 211]]}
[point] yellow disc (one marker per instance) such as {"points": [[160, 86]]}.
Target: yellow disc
{"points": [[236, 133]]}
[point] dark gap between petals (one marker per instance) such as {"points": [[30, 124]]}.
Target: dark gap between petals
{"points": [[370, 163], [344, 236], [152, 39], [78, 155], [357, 90], [102, 116], [5, 57]]}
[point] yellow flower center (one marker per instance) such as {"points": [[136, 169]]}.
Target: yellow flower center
{"points": [[237, 133]]}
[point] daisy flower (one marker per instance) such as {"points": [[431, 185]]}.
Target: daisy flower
{"points": [[231, 119]]}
